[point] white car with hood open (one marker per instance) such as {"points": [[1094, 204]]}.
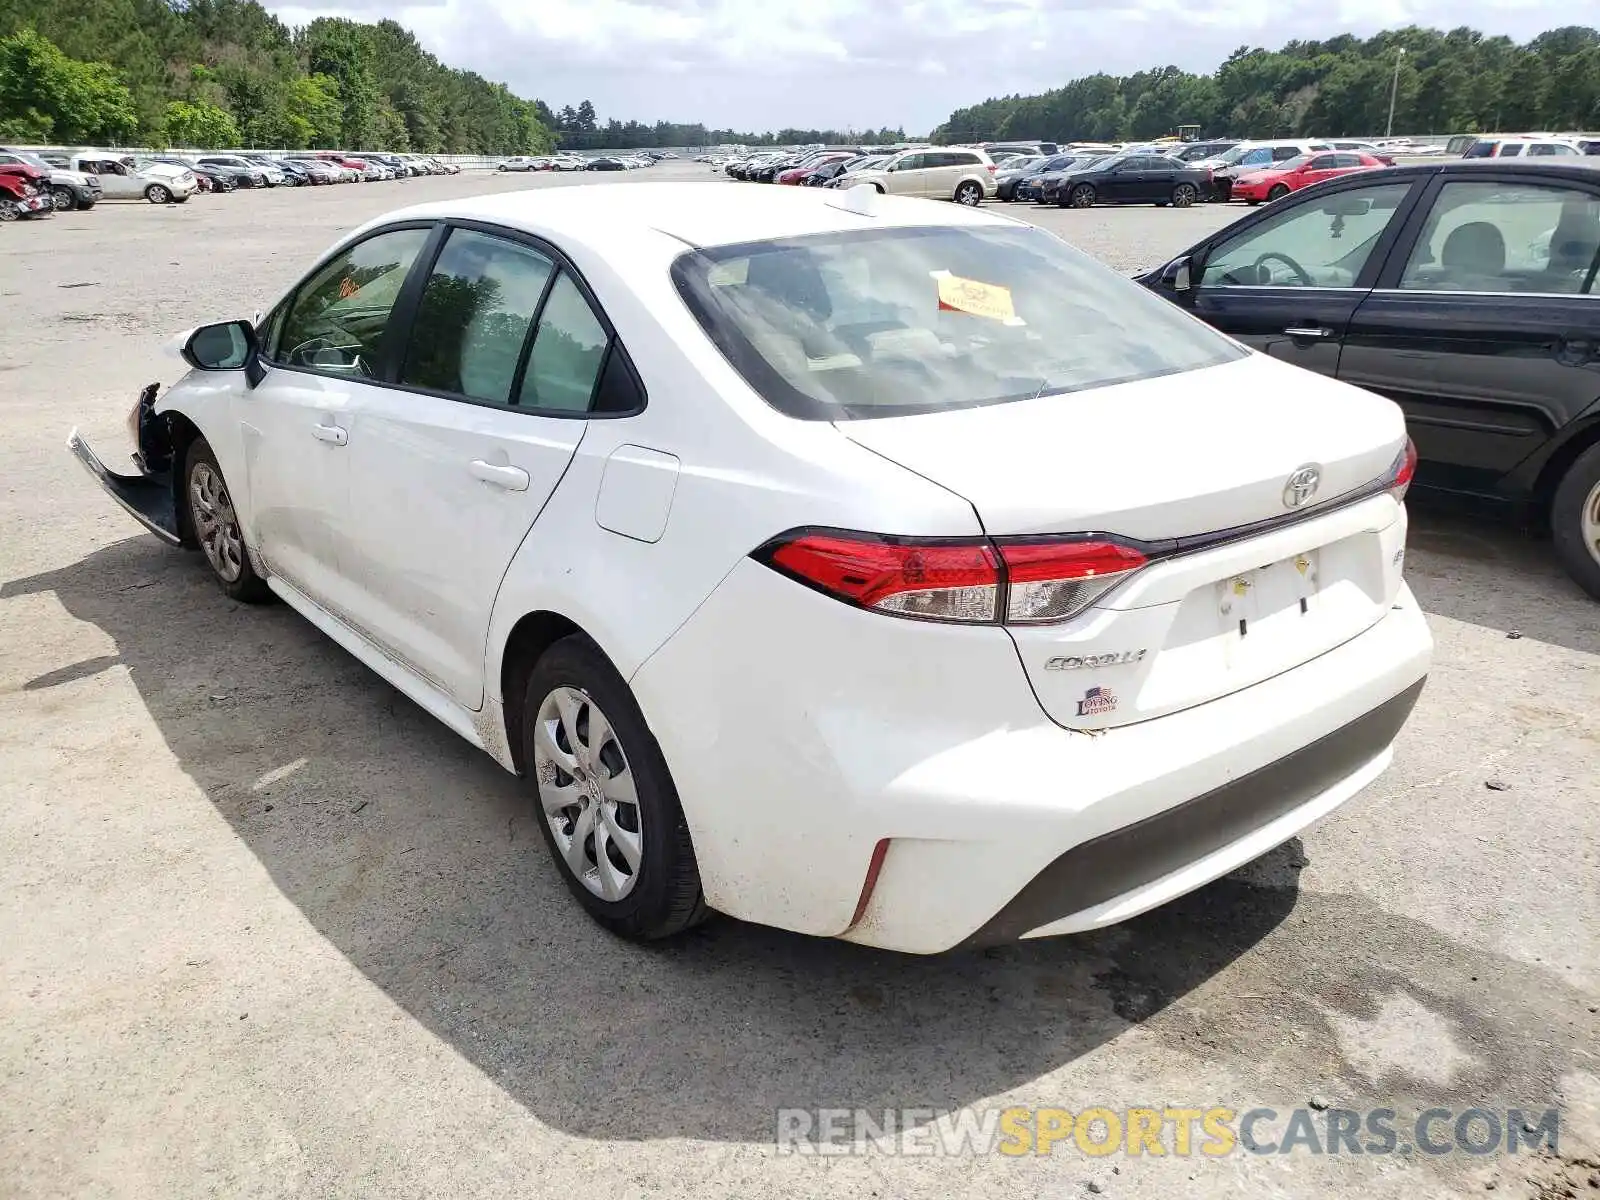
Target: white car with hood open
{"points": [[866, 567]]}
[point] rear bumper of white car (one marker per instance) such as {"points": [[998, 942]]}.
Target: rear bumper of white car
{"points": [[817, 747]]}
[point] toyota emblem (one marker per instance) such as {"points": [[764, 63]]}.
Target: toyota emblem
{"points": [[1302, 485]]}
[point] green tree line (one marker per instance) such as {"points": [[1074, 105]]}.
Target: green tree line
{"points": [[227, 73], [580, 129], [1448, 82]]}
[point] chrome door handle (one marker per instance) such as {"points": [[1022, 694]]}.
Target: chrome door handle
{"points": [[512, 479], [1297, 332], [330, 433]]}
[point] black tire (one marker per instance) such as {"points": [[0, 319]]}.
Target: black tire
{"points": [[86, 205], [1276, 192], [879, 186], [1251, 203], [969, 194], [64, 198], [247, 587], [1082, 196], [1578, 494], [1184, 195], [665, 898], [157, 194]]}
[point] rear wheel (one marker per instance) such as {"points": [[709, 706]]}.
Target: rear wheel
{"points": [[607, 805], [157, 194], [1251, 203], [969, 193], [214, 523], [1082, 196], [1277, 192], [64, 198], [1575, 521], [1184, 195]]}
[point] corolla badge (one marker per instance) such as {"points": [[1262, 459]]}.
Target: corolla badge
{"points": [[1302, 485], [1115, 658]]}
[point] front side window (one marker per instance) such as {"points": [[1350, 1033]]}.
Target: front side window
{"points": [[1324, 243], [1511, 150], [897, 321], [1507, 237], [1254, 158], [1322, 162], [473, 317], [912, 162], [568, 352], [338, 316]]}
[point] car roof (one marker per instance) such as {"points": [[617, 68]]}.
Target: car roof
{"points": [[697, 214]]}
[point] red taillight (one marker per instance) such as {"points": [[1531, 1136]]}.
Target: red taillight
{"points": [[1052, 581], [936, 581], [993, 168], [967, 581], [1405, 469]]}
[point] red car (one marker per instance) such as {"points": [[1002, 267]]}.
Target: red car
{"points": [[1277, 181], [24, 192], [794, 176]]}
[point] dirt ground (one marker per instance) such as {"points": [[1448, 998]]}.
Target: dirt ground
{"points": [[266, 929]]}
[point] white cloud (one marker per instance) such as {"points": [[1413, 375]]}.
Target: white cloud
{"points": [[757, 64]]}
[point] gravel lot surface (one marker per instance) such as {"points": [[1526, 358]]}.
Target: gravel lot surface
{"points": [[267, 929]]}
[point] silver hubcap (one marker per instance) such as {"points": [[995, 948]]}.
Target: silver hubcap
{"points": [[969, 195], [158, 195], [62, 200], [215, 524], [1589, 523], [587, 793], [1082, 198]]}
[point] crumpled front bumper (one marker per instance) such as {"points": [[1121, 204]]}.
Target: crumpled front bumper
{"points": [[147, 497]]}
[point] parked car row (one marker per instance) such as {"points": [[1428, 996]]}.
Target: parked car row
{"points": [[575, 162], [38, 183], [963, 174]]}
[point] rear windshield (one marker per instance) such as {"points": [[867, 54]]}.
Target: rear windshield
{"points": [[878, 323]]}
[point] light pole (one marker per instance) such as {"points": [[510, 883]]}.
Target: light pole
{"points": [[1394, 90]]}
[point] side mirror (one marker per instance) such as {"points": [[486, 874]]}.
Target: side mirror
{"points": [[1175, 275], [227, 346]]}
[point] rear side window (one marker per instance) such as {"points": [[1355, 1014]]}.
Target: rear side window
{"points": [[473, 319], [1347, 160], [1550, 149], [1284, 153], [338, 317], [568, 351], [896, 321], [1510, 150]]}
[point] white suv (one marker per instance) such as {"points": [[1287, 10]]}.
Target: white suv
{"points": [[1520, 147], [935, 173]]}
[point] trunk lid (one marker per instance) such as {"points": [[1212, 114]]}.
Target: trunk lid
{"points": [[1171, 462]]}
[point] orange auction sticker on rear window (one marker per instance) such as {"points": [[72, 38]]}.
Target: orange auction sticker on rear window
{"points": [[980, 299]]}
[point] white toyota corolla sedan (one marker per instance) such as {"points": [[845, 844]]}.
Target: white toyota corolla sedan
{"points": [[867, 567]]}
